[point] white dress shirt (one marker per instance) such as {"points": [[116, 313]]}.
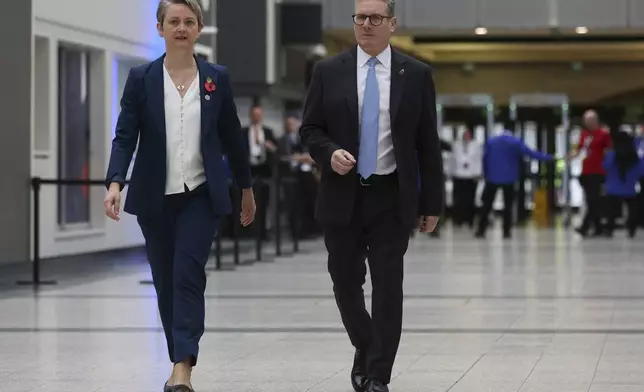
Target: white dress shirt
{"points": [[467, 159], [257, 150], [386, 159], [184, 162]]}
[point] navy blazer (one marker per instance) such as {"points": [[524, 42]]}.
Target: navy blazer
{"points": [[142, 119]]}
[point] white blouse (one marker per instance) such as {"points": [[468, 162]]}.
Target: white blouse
{"points": [[184, 162]]}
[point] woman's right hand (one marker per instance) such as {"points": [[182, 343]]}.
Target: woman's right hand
{"points": [[112, 201]]}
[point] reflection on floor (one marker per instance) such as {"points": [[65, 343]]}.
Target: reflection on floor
{"points": [[544, 311]]}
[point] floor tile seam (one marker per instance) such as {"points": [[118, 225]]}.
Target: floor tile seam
{"points": [[601, 353], [333, 330], [468, 298], [465, 373], [423, 355], [531, 371]]}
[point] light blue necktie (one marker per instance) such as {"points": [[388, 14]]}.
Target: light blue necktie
{"points": [[368, 155]]}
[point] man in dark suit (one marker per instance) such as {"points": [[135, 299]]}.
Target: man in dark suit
{"points": [[262, 147], [370, 124], [297, 164], [260, 142]]}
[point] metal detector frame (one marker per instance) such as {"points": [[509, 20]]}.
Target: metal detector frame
{"points": [[465, 101], [538, 100]]}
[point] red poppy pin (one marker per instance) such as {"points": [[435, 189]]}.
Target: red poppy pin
{"points": [[210, 86]]}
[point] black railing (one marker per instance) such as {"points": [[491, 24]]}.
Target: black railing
{"points": [[36, 184], [276, 184]]}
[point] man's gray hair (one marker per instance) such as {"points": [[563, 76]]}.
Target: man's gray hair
{"points": [[391, 7]]}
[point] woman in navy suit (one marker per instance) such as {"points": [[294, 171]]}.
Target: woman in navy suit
{"points": [[181, 111]]}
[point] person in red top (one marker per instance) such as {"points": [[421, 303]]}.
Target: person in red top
{"points": [[594, 141]]}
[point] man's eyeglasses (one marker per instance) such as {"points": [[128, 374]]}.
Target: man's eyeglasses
{"points": [[375, 19]]}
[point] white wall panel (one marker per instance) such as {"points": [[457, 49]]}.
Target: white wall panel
{"points": [[440, 14], [636, 13], [121, 34], [593, 13], [130, 23], [517, 14], [338, 13]]}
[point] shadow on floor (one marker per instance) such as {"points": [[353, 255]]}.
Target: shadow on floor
{"points": [[81, 269]]}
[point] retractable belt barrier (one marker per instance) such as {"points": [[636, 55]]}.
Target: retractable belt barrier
{"points": [[275, 184]]}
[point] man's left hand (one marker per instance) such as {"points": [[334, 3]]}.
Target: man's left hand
{"points": [[270, 146], [247, 214], [428, 224]]}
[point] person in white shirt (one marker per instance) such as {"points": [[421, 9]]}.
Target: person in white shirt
{"points": [[466, 168], [262, 148], [180, 110], [262, 144]]}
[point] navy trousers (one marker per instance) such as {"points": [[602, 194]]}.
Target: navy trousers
{"points": [[178, 244]]}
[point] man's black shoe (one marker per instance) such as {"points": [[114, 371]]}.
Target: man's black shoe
{"points": [[377, 386], [359, 371]]}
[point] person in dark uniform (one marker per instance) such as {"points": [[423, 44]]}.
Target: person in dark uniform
{"points": [[297, 163]]}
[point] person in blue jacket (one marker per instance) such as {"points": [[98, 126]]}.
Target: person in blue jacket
{"points": [[502, 162], [624, 168]]}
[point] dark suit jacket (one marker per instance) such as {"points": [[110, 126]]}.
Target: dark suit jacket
{"points": [[289, 147], [263, 170], [268, 135], [142, 118], [331, 122]]}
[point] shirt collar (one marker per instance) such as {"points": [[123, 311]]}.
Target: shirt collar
{"points": [[384, 57]]}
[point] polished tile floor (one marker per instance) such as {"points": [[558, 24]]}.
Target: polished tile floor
{"points": [[545, 311]]}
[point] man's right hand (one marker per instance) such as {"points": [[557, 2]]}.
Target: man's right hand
{"points": [[112, 201], [342, 162]]}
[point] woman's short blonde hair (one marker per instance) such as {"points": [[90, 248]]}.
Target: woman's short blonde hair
{"points": [[192, 4]]}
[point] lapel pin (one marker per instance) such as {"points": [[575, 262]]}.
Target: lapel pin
{"points": [[207, 97], [402, 72]]}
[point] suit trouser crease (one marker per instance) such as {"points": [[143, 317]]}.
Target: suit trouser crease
{"points": [[376, 233], [178, 244], [487, 198]]}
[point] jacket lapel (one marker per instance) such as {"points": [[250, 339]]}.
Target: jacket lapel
{"points": [[207, 97], [351, 86], [154, 88], [397, 84]]}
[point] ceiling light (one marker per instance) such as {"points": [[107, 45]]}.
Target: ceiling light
{"points": [[581, 30], [480, 31]]}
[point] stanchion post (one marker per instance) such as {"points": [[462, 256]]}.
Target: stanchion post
{"points": [[218, 250], [235, 223], [36, 184], [278, 212], [36, 266], [296, 225], [259, 223]]}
